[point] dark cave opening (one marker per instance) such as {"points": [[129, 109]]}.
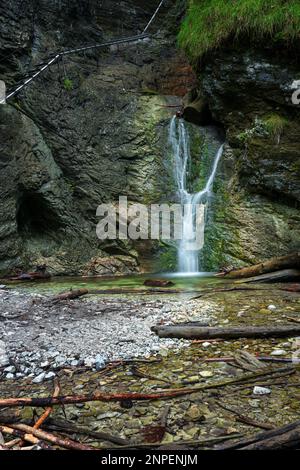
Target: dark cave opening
{"points": [[34, 216]]}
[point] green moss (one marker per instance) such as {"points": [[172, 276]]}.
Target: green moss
{"points": [[272, 126], [167, 258], [209, 23], [275, 125], [68, 84]]}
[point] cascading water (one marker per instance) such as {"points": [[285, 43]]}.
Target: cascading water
{"points": [[194, 206]]}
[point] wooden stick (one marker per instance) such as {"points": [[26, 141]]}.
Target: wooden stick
{"points": [[48, 411], [61, 425], [46, 436], [284, 431], [173, 393], [202, 442], [245, 419], [23, 435]]}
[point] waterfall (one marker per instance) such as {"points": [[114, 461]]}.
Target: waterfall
{"points": [[194, 206]]}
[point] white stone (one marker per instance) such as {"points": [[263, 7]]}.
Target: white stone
{"points": [[272, 307], [39, 378], [261, 390], [206, 373], [4, 360], [278, 352], [49, 376], [10, 376], [206, 344]]}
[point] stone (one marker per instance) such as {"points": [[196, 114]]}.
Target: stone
{"points": [[194, 412], [261, 390], [4, 359], [272, 307], [10, 376], [50, 375], [11, 369], [39, 378], [278, 352], [206, 373], [99, 362]]}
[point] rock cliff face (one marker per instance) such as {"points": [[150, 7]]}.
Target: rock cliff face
{"points": [[256, 207], [92, 128]]}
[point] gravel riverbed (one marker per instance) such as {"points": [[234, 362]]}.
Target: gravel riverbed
{"points": [[38, 337]]}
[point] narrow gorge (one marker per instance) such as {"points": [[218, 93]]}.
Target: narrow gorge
{"points": [[149, 227]]}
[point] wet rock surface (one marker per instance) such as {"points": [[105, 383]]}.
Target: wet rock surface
{"points": [[255, 211], [92, 128]]}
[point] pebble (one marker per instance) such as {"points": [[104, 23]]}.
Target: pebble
{"points": [[4, 360], [278, 352], [272, 307], [39, 378], [10, 376], [261, 390], [49, 376], [206, 344], [11, 369], [37, 354], [206, 373]]}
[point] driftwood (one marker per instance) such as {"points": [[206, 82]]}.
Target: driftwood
{"points": [[245, 419], [70, 295], [22, 435], [48, 411], [46, 436], [283, 275], [171, 393], [158, 283], [273, 264], [198, 332], [279, 438], [67, 427]]}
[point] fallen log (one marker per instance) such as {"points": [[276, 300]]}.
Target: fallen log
{"points": [[198, 332], [284, 437], [171, 393], [284, 275], [70, 295], [274, 264]]}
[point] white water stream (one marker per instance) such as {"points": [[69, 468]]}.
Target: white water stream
{"points": [[194, 206]]}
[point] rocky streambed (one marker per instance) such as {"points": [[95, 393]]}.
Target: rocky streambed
{"points": [[40, 336], [104, 344]]}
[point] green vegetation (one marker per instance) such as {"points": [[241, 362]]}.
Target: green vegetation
{"points": [[68, 84], [270, 126], [275, 125], [209, 23]]}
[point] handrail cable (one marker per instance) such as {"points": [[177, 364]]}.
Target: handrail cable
{"points": [[55, 58]]}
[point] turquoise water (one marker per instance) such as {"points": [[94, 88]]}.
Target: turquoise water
{"points": [[136, 282]]}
